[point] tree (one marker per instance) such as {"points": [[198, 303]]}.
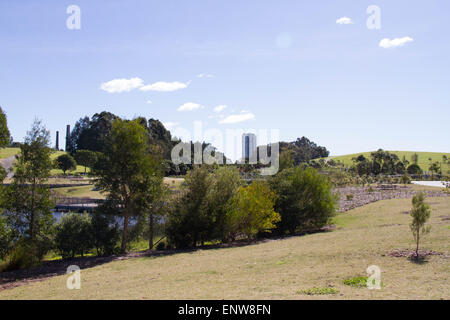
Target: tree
{"points": [[420, 214], [86, 158], [224, 183], [435, 167], [305, 199], [123, 170], [187, 222], [6, 238], [5, 137], [414, 169], [74, 235], [415, 158], [105, 233], [66, 162], [27, 200], [252, 211]]}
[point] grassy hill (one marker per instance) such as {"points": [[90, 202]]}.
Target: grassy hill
{"points": [[8, 152], [279, 269], [423, 162]]}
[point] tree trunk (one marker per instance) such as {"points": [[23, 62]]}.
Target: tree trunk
{"points": [[417, 245], [150, 233], [125, 230]]}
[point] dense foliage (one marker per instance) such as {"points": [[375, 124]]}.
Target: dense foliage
{"points": [[305, 199]]}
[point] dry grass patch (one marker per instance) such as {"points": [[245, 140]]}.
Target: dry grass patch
{"points": [[278, 269]]}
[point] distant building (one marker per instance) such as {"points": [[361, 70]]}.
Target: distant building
{"points": [[248, 146], [67, 137]]}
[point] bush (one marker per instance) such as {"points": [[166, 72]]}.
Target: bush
{"points": [[73, 235], [405, 179], [305, 200], [6, 238], [252, 211], [66, 162], [349, 197], [105, 234], [22, 256], [414, 169], [160, 246], [187, 222]]}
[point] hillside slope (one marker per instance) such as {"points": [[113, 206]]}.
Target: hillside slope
{"points": [[423, 162]]}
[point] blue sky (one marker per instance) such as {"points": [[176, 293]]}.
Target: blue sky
{"points": [[284, 65]]}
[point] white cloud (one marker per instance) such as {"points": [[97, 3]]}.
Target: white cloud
{"points": [[164, 86], [190, 106], [392, 43], [344, 20], [220, 108], [170, 125], [235, 118], [149, 101], [205, 75], [121, 85]]}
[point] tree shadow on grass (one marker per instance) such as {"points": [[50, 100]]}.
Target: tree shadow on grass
{"points": [[49, 269]]}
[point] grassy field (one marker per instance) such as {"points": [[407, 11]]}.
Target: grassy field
{"points": [[80, 192], [423, 162], [8, 152], [80, 169], [280, 269]]}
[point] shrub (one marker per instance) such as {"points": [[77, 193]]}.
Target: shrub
{"points": [[305, 199], [6, 238], [66, 162], [73, 235], [160, 246], [349, 197], [252, 211], [414, 169], [359, 282], [105, 234], [420, 214], [187, 223], [22, 256], [406, 179]]}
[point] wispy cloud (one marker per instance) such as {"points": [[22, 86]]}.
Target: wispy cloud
{"points": [[162, 86], [220, 108], [190, 106], [149, 101], [344, 20], [235, 118], [121, 85], [392, 43], [205, 75]]}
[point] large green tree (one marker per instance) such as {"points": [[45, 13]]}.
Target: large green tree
{"points": [[305, 199], [5, 137], [28, 200], [86, 158], [66, 162], [124, 170]]}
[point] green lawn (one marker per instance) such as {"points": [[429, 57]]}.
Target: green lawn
{"points": [[8, 152], [314, 266], [80, 169], [423, 162]]}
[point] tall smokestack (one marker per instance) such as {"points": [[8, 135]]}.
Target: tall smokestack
{"points": [[57, 141], [67, 136]]}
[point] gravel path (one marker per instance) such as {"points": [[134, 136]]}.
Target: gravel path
{"points": [[361, 196]]}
